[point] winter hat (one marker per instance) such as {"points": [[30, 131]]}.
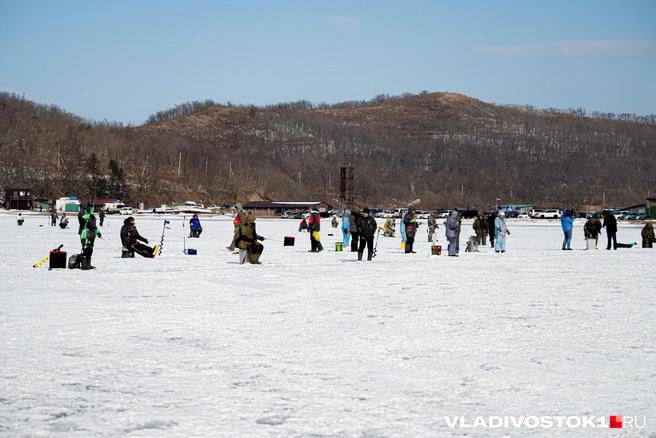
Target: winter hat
{"points": [[412, 208], [502, 213], [366, 210]]}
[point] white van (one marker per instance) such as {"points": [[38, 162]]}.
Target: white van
{"points": [[126, 211]]}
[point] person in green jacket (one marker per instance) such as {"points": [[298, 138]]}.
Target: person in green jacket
{"points": [[88, 238]]}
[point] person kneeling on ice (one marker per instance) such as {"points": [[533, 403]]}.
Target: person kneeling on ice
{"points": [[500, 232], [247, 241], [194, 227], [63, 221], [88, 238], [130, 239], [19, 219]]}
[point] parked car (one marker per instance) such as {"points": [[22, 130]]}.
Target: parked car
{"points": [[549, 214], [126, 211], [535, 213], [442, 214], [522, 216], [469, 214], [280, 211]]}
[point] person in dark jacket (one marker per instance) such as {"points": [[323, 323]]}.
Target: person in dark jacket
{"points": [[314, 225], [355, 231], [610, 223], [195, 227], [410, 224], [101, 215], [240, 218], [490, 227], [53, 218], [648, 236], [480, 228], [452, 231], [86, 207], [130, 238], [592, 228], [88, 238], [368, 226]]}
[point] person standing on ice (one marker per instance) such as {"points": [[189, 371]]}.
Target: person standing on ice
{"points": [[567, 222], [368, 227], [353, 228], [480, 228], [610, 223], [53, 218], [410, 224], [432, 226], [130, 238], [240, 218], [389, 226], [490, 227], [346, 227], [88, 238], [500, 232], [314, 226], [452, 231], [86, 207]]}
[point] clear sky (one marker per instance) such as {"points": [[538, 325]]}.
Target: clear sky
{"points": [[123, 60]]}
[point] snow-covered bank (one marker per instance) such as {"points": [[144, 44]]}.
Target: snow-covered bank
{"points": [[319, 344]]}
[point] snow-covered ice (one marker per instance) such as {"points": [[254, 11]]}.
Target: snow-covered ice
{"points": [[320, 345]]}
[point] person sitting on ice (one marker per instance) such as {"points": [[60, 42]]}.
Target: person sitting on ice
{"points": [[247, 241], [20, 219], [648, 236], [303, 225], [63, 221], [130, 239], [194, 227]]}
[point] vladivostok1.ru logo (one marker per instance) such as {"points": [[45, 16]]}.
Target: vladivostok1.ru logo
{"points": [[548, 421]]}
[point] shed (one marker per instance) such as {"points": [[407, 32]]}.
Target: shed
{"points": [[266, 208], [18, 199]]}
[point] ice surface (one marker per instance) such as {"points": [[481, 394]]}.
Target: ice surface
{"points": [[320, 345]]}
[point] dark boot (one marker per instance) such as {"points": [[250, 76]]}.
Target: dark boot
{"points": [[369, 256], [360, 255], [85, 263]]}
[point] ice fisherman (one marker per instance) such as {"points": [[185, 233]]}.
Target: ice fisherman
{"points": [[368, 226], [452, 231], [346, 227], [648, 236], [567, 222], [240, 218], [20, 219], [410, 224], [314, 226], [592, 228], [53, 218], [500, 232], [389, 226], [247, 241], [88, 239], [610, 223], [195, 227], [63, 221], [130, 238], [432, 226]]}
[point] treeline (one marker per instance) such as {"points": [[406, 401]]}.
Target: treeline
{"points": [[445, 155]]}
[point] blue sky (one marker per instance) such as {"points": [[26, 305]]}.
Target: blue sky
{"points": [[125, 60]]}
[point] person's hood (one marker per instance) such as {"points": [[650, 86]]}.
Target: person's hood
{"points": [[565, 211], [347, 212], [238, 206], [453, 214], [412, 208], [128, 220]]}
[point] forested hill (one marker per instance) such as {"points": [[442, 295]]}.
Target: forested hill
{"points": [[443, 148]]}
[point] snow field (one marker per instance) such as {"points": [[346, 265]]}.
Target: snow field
{"points": [[320, 345]]}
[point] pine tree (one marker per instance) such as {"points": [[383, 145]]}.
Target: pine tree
{"points": [[96, 181], [117, 184]]}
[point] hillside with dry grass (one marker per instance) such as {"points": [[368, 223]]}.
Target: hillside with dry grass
{"points": [[446, 149]]}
